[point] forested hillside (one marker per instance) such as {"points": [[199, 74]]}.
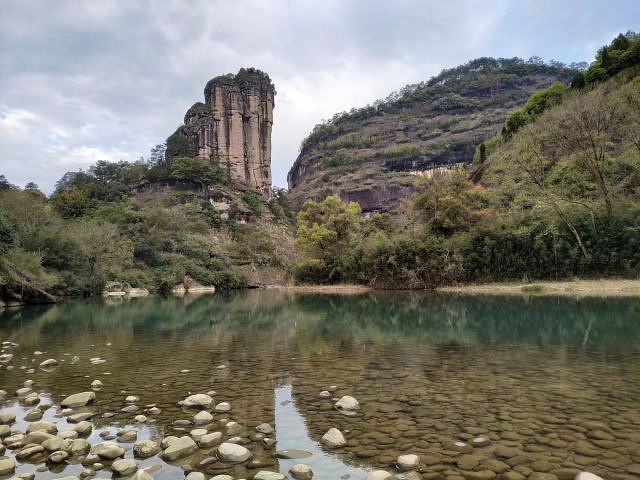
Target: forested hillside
{"points": [[556, 194], [150, 224], [371, 155]]}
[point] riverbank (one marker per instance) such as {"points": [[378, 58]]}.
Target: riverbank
{"points": [[584, 288], [347, 289]]}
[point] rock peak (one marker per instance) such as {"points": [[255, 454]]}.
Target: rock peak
{"points": [[232, 128]]}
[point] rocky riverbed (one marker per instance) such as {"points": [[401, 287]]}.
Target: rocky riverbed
{"points": [[116, 393]]}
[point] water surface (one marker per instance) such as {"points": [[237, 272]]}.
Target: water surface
{"points": [[555, 380]]}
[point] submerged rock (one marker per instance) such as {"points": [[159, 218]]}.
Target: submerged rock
{"points": [[49, 363], [200, 400], [292, 454]]}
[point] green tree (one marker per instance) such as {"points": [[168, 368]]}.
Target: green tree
{"points": [[578, 80], [195, 169], [71, 203], [326, 232]]}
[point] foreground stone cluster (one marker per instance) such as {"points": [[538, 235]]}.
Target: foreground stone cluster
{"points": [[208, 439]]}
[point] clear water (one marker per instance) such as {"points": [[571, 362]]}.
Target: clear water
{"points": [[555, 379]]}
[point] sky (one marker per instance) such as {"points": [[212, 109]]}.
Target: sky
{"points": [[82, 81]]}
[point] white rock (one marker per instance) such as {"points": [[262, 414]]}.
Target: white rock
{"points": [[223, 407], [58, 456], [333, 438], [202, 418], [124, 466], [179, 448], [7, 417], [325, 394], [379, 475], [7, 466], [232, 428], [131, 399], [408, 462], [587, 476], [140, 418], [49, 363], [200, 400], [267, 475], [347, 404], [197, 434], [230, 452], [42, 426], [96, 385], [196, 476], [145, 448], [301, 472], [210, 439], [265, 428], [108, 450], [78, 399]]}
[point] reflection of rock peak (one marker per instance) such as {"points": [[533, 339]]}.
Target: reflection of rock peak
{"points": [[232, 128]]}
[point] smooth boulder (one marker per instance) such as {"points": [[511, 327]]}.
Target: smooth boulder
{"points": [[78, 399], [179, 448], [333, 438], [108, 450], [232, 453], [301, 472]]}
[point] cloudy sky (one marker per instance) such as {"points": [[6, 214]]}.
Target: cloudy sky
{"points": [[87, 80]]}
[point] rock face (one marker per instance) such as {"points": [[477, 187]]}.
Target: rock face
{"points": [[232, 128], [371, 155]]}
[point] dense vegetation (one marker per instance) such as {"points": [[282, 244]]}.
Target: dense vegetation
{"points": [[148, 223], [556, 197]]}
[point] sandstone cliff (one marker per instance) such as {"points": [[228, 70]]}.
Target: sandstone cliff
{"points": [[371, 155], [232, 128]]}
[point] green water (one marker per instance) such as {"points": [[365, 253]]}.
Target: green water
{"points": [[555, 380]]}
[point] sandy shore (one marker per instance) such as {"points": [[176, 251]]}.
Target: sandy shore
{"points": [[342, 289], [589, 288]]}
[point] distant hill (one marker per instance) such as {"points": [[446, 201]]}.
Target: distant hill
{"points": [[370, 155]]}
